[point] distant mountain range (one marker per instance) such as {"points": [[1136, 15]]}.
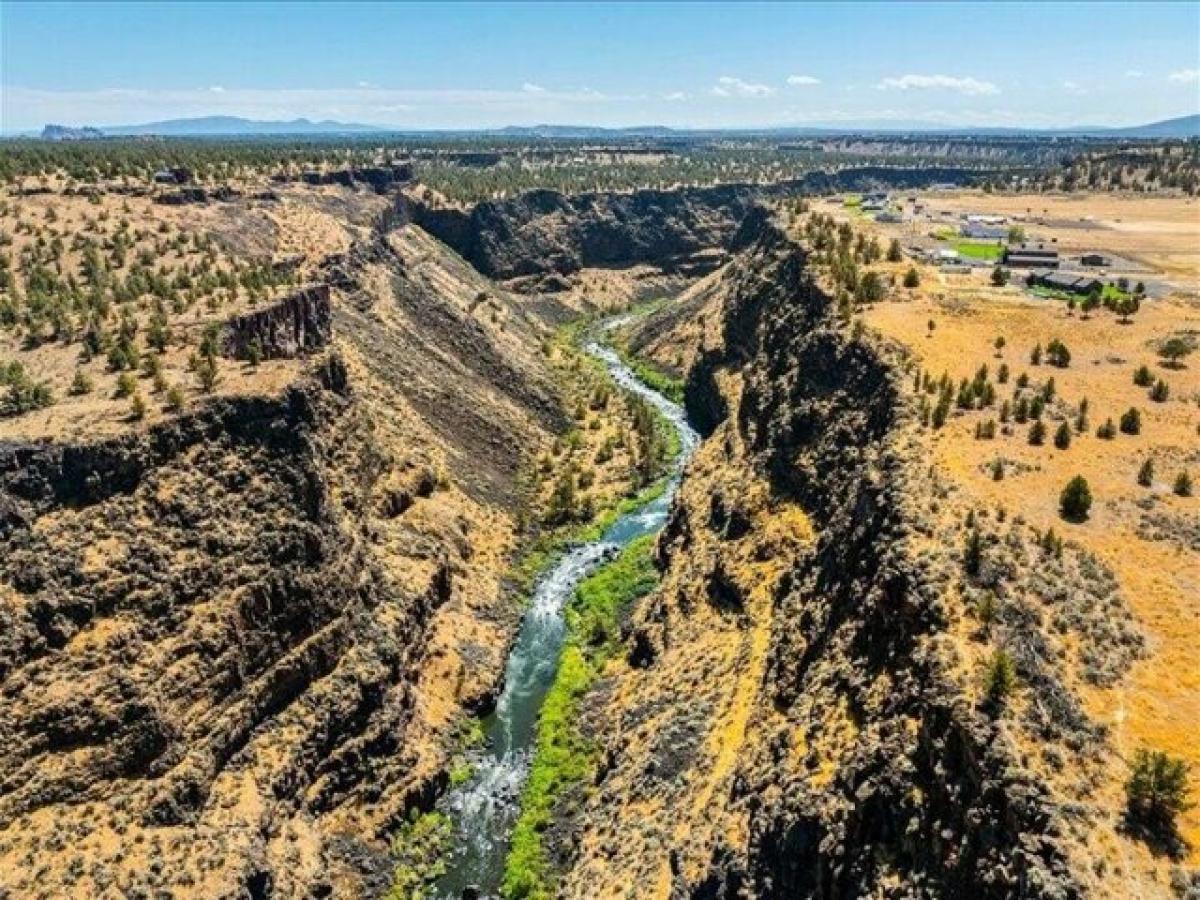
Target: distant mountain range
{"points": [[232, 126], [208, 126]]}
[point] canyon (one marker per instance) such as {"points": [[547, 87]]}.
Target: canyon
{"points": [[242, 645]]}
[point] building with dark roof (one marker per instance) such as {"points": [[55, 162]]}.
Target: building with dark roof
{"points": [[1066, 282], [1031, 256]]}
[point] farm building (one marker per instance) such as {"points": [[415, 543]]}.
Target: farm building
{"points": [[1031, 256], [1095, 259], [1066, 282], [889, 215]]}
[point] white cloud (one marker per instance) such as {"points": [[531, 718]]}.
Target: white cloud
{"points": [[1073, 87], [1185, 76], [972, 86], [802, 80], [1134, 73], [530, 88], [217, 89], [728, 86], [675, 96], [365, 84]]}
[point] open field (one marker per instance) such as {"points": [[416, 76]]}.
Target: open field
{"points": [[1147, 536], [1163, 233]]}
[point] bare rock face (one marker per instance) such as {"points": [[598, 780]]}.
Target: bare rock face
{"points": [[544, 232], [298, 324]]}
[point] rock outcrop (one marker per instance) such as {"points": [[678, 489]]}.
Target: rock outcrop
{"points": [[298, 324], [545, 232]]}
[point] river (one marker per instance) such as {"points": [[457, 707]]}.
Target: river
{"points": [[484, 809]]}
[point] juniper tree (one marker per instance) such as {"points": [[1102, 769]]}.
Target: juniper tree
{"points": [[1145, 475], [126, 385], [1057, 354], [81, 383], [1131, 421], [1076, 499], [1183, 484], [1157, 792], [973, 552], [1062, 437], [1000, 679]]}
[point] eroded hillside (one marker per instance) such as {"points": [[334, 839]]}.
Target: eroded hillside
{"points": [[242, 625], [810, 703]]}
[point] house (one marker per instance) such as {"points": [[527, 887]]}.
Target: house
{"points": [[983, 232], [1031, 256], [1066, 282], [944, 255], [889, 215], [1095, 259]]}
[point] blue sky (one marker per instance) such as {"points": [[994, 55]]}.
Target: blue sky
{"points": [[704, 65]]}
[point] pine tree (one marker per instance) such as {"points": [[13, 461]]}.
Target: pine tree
{"points": [[1037, 433]]}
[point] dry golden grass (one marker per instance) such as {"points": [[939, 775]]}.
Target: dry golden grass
{"points": [[1158, 703], [1161, 232], [199, 238]]}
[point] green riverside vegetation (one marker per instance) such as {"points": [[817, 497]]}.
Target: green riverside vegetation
{"points": [[564, 758]]}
